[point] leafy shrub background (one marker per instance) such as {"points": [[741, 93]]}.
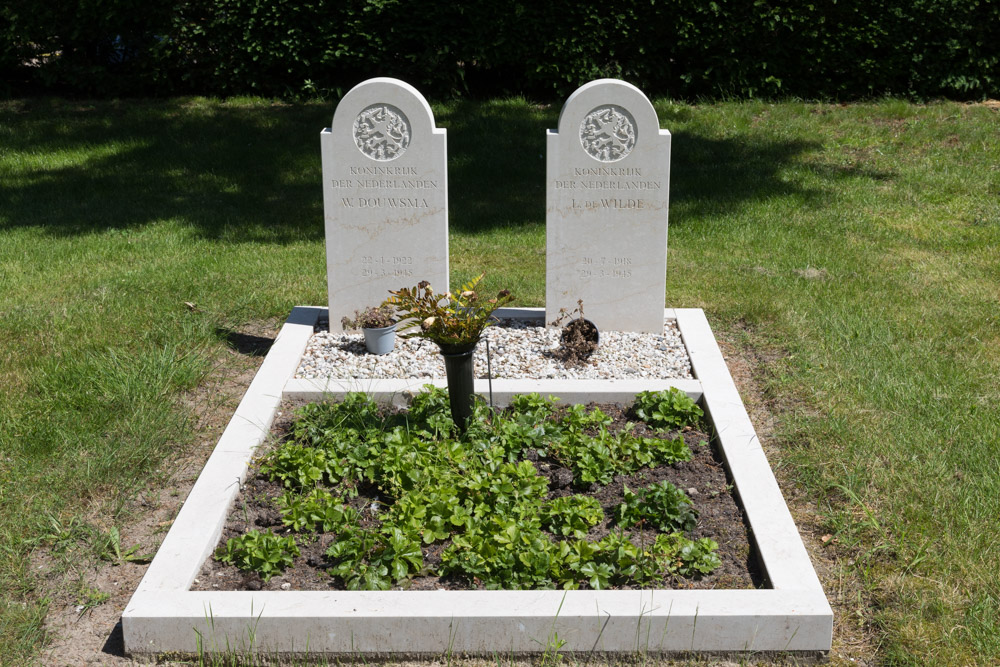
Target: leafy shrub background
{"points": [[685, 48]]}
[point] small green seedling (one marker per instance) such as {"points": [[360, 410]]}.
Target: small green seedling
{"points": [[265, 553], [667, 409], [113, 550]]}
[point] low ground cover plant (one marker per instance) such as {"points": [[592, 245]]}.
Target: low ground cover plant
{"points": [[263, 552], [666, 409], [478, 500]]}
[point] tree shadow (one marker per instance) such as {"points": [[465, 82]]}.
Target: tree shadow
{"points": [[496, 163], [711, 178], [497, 167], [253, 174], [229, 173]]}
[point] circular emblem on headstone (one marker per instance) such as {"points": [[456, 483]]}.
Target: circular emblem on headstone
{"points": [[608, 133], [382, 132]]}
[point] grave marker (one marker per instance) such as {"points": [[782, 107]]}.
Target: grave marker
{"points": [[607, 194], [385, 196]]}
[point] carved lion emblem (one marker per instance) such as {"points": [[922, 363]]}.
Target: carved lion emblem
{"points": [[608, 133], [382, 132]]}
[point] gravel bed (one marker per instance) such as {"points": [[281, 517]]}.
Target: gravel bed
{"points": [[518, 349]]}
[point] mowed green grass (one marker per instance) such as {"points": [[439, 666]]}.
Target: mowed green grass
{"points": [[854, 248]]}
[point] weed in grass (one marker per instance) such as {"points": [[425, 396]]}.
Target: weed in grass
{"points": [[553, 643], [87, 598], [61, 535], [112, 550]]}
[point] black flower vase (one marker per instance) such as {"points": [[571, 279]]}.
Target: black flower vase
{"points": [[460, 371]]}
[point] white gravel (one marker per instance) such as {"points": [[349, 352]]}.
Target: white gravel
{"points": [[518, 349]]}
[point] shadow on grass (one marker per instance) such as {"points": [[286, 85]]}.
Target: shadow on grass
{"points": [[252, 173], [246, 344], [238, 174]]}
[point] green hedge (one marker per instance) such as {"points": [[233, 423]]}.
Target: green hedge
{"points": [[686, 48]]}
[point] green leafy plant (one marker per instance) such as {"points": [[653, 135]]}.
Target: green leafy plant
{"points": [[474, 494], [597, 458], [430, 412], [368, 560], [532, 406], [265, 553], [662, 505], [577, 419], [571, 516], [434, 512], [447, 319], [317, 510], [402, 461], [680, 555], [298, 467], [503, 552], [667, 409], [114, 552]]}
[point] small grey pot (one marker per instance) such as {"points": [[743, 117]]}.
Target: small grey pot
{"points": [[380, 341]]}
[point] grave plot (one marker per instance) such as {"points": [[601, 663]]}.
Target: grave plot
{"points": [[790, 614], [385, 204]]}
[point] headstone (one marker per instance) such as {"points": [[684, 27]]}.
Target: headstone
{"points": [[608, 184], [385, 196]]}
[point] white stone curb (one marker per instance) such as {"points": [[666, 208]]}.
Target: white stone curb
{"points": [[396, 392], [164, 616]]}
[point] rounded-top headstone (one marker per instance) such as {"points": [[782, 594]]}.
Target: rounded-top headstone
{"points": [[385, 196], [607, 197]]}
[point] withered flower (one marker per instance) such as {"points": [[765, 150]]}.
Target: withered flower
{"points": [[428, 323]]}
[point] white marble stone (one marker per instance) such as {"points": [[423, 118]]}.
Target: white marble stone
{"points": [[385, 196], [607, 194]]}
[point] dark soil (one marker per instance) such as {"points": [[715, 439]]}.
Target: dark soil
{"points": [[577, 342], [703, 478]]}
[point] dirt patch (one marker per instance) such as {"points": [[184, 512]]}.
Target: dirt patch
{"points": [[811, 273], [703, 478], [896, 124], [88, 632]]}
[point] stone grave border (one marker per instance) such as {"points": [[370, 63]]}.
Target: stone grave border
{"points": [[793, 615]]}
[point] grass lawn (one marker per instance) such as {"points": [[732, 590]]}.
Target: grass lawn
{"points": [[854, 248]]}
